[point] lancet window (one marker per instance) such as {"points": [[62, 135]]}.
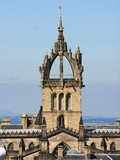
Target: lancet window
{"points": [[68, 101], [53, 101], [60, 121], [93, 145], [10, 147], [31, 145], [61, 101], [112, 146]]}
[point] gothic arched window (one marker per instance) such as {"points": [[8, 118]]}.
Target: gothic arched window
{"points": [[60, 121], [93, 145], [53, 101], [10, 147], [31, 145], [61, 101], [104, 145], [112, 146], [68, 101]]}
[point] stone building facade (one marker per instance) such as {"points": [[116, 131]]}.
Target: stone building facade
{"points": [[58, 127]]}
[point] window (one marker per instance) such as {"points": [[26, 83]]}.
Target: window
{"points": [[31, 145], [60, 121], [61, 101], [53, 101], [93, 145], [10, 147], [112, 146], [68, 101]]}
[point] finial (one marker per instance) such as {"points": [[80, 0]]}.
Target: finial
{"points": [[70, 51], [60, 22], [60, 8], [78, 48], [52, 50]]}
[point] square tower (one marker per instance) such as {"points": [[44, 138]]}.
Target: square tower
{"points": [[62, 97]]}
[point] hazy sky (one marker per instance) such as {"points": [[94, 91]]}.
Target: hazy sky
{"points": [[28, 29]]}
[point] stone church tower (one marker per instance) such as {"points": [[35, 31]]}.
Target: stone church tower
{"points": [[62, 97]]}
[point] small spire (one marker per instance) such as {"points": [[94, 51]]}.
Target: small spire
{"points": [[81, 121], [70, 51], [78, 49], [39, 117], [52, 50], [22, 143], [103, 143], [44, 121]]}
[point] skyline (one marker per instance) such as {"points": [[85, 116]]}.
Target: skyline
{"points": [[29, 30]]}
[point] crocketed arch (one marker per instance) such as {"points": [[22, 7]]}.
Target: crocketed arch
{"points": [[55, 68], [93, 145], [68, 101], [67, 69], [65, 149], [53, 101], [31, 145], [60, 121], [112, 146], [10, 147], [61, 101]]}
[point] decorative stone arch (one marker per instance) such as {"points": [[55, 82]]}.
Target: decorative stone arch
{"points": [[53, 101], [68, 101], [93, 145], [31, 145], [112, 146], [10, 147], [56, 55], [63, 146], [61, 101], [60, 121]]}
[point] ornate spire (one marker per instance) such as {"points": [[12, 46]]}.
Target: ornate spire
{"points": [[60, 28], [60, 45]]}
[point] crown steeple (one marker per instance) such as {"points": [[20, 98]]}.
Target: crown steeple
{"points": [[60, 45]]}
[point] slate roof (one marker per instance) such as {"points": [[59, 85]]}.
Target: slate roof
{"points": [[12, 126], [73, 154], [98, 156], [114, 156], [71, 157]]}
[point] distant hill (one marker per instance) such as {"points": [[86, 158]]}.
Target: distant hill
{"points": [[15, 118]]}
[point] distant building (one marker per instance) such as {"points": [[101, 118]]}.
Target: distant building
{"points": [[58, 131]]}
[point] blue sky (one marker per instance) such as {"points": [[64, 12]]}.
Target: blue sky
{"points": [[28, 29]]}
